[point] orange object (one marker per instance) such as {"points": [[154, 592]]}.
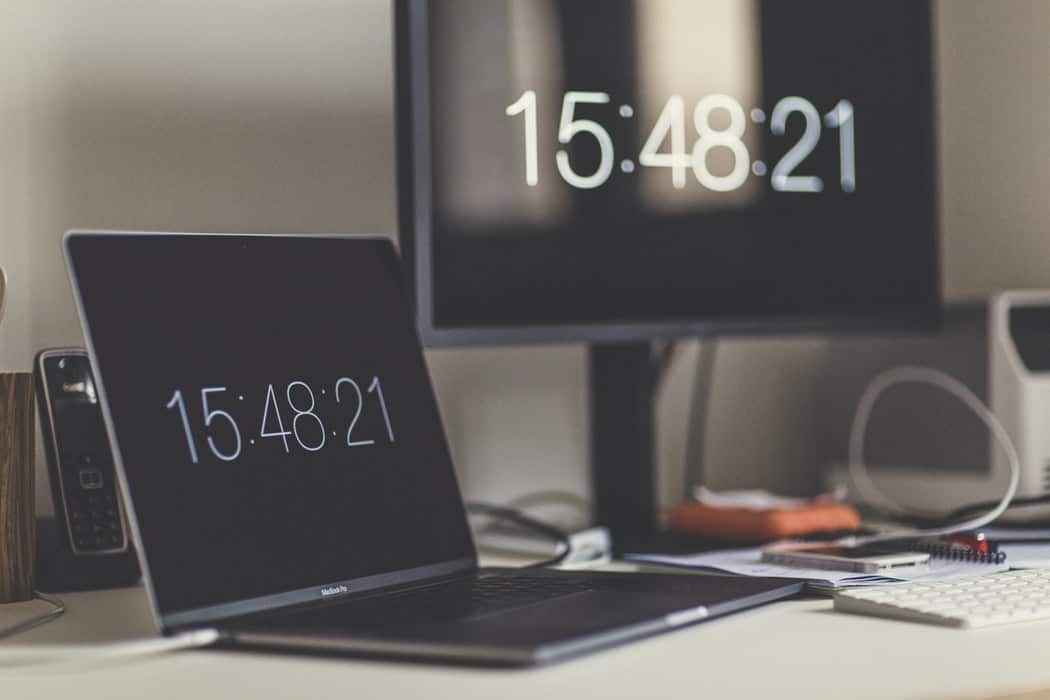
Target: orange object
{"points": [[748, 525]]}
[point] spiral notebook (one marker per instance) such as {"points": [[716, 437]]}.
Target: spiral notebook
{"points": [[951, 552], [748, 562]]}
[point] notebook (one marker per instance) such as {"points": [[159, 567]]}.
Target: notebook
{"points": [[747, 562]]}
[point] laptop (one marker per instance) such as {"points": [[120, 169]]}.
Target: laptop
{"points": [[286, 474]]}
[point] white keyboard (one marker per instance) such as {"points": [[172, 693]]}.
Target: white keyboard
{"points": [[974, 601]]}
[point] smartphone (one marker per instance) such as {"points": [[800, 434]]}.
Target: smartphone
{"points": [[88, 512], [831, 556]]}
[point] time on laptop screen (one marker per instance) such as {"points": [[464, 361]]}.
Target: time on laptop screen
{"points": [[272, 411]]}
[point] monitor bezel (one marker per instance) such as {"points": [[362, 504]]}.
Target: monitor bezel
{"points": [[414, 198]]}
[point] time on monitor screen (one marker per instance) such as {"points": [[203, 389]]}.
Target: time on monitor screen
{"points": [[668, 144]]}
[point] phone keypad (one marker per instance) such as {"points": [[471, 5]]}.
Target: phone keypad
{"points": [[95, 522]]}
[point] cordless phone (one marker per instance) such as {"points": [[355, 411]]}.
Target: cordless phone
{"points": [[86, 545], [88, 511]]}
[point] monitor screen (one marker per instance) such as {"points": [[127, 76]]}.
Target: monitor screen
{"points": [[272, 413], [623, 168]]}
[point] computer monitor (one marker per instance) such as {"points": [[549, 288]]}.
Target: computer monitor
{"points": [[612, 171]]}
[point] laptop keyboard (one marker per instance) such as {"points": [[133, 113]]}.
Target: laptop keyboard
{"points": [[488, 594], [455, 600]]}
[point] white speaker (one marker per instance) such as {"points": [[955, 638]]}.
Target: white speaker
{"points": [[1019, 382]]}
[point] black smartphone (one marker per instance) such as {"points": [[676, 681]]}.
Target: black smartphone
{"points": [[89, 515]]}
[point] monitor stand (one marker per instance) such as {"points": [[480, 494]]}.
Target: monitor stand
{"points": [[622, 387], [623, 381]]}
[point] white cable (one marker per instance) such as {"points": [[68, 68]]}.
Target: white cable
{"points": [[51, 654], [3, 291], [869, 492]]}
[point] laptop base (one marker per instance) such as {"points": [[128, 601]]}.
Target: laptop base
{"points": [[595, 610]]}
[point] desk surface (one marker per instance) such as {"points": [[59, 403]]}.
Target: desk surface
{"points": [[795, 649]]}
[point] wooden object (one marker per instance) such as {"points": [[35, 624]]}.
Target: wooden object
{"points": [[17, 479]]}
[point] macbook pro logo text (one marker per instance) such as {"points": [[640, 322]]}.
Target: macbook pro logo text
{"points": [[334, 590]]}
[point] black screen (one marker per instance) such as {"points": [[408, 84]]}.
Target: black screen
{"points": [[1030, 330], [643, 161], [272, 411]]}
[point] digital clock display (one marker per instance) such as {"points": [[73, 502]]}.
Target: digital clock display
{"points": [[632, 161], [670, 126], [315, 431], [272, 411]]}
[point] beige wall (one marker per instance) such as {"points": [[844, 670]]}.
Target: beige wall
{"points": [[995, 144], [276, 115]]}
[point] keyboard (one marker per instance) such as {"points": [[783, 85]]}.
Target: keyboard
{"points": [[483, 596], [974, 601], [457, 599]]}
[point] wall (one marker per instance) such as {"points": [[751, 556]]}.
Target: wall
{"points": [[266, 116], [994, 144], [276, 115]]}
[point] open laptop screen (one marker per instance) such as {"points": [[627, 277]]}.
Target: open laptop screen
{"points": [[269, 403]]}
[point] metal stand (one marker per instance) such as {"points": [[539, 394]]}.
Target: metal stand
{"points": [[622, 385]]}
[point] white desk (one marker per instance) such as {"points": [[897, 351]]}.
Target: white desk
{"points": [[797, 649]]}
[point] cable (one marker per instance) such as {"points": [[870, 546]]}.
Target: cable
{"points": [[57, 608], [50, 654], [553, 497], [858, 470], [3, 291], [665, 353], [973, 507], [518, 518], [45, 654], [699, 408], [535, 498]]}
